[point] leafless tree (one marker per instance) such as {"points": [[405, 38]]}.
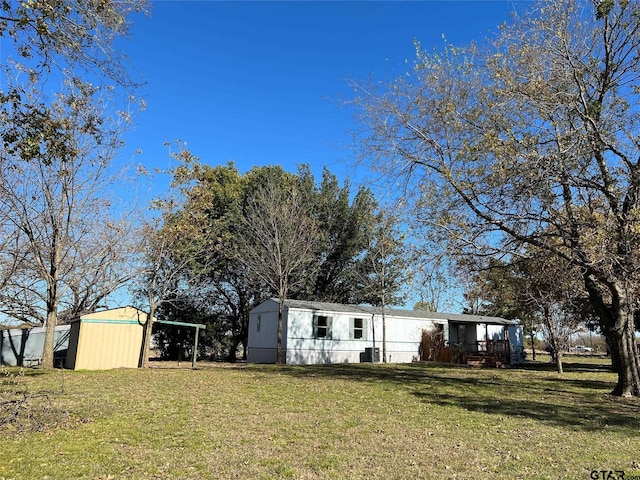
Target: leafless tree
{"points": [[161, 276], [279, 242], [61, 242], [58, 213]]}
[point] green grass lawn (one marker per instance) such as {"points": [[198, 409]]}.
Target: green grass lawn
{"points": [[413, 421]]}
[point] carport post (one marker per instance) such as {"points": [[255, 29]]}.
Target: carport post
{"points": [[195, 347], [197, 326]]}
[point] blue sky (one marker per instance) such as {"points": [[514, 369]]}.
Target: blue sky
{"points": [[263, 83]]}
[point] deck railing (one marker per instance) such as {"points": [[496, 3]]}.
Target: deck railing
{"points": [[492, 346], [492, 352]]}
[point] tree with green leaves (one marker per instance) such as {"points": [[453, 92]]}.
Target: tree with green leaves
{"points": [[384, 274], [344, 236], [215, 201], [530, 138], [212, 211], [493, 290]]}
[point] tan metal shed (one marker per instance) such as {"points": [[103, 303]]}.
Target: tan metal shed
{"points": [[106, 339]]}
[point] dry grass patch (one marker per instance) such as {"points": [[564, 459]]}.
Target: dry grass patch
{"points": [[329, 422]]}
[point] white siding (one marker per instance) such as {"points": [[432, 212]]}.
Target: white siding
{"points": [[304, 348], [404, 335], [263, 333], [516, 339], [496, 332]]}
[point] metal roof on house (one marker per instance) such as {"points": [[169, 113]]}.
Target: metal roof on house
{"points": [[342, 308]]}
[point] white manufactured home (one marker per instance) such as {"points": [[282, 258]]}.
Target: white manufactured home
{"points": [[317, 332]]}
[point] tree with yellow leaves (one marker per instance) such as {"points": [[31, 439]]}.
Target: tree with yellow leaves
{"points": [[530, 139]]}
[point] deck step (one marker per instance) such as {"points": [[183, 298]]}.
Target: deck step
{"points": [[484, 361]]}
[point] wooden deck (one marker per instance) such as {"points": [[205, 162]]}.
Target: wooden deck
{"points": [[485, 361], [485, 353], [490, 353]]}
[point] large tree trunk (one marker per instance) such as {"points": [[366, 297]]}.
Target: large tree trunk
{"points": [[618, 326], [49, 339], [52, 319], [623, 340], [533, 345], [559, 362], [612, 347], [146, 342], [279, 355], [232, 355], [623, 337]]}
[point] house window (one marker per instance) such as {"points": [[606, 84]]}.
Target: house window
{"points": [[322, 326], [358, 328]]}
